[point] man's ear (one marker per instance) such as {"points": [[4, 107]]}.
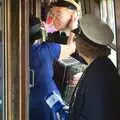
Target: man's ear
{"points": [[75, 16], [73, 23]]}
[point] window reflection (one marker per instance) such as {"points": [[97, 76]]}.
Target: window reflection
{"points": [[1, 61], [108, 16], [1, 74]]}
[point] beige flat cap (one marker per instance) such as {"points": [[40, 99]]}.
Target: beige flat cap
{"points": [[96, 30], [74, 3]]}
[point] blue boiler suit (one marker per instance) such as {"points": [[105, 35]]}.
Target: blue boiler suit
{"points": [[41, 62]]}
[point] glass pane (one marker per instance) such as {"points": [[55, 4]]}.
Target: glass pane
{"points": [[107, 15], [1, 61]]}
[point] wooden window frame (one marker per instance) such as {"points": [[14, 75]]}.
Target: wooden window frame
{"points": [[16, 75]]}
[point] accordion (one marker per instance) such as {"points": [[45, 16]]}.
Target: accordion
{"points": [[67, 73]]}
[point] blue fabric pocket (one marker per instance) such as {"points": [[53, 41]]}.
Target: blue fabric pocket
{"points": [[57, 105]]}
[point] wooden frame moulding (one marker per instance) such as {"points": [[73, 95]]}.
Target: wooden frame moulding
{"points": [[16, 59]]}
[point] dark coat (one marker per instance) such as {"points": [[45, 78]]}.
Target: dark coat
{"points": [[97, 96]]}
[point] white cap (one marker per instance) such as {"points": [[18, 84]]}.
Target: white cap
{"points": [[96, 30]]}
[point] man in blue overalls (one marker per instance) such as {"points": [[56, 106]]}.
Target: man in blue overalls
{"points": [[45, 100]]}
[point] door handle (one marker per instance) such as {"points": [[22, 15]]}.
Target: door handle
{"points": [[33, 78]]}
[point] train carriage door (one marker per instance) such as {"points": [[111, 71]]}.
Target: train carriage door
{"points": [[16, 70]]}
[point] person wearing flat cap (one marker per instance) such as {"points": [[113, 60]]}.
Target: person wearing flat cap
{"points": [[97, 95], [45, 101]]}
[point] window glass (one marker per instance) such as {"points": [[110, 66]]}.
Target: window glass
{"points": [[1, 61], [107, 15]]}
